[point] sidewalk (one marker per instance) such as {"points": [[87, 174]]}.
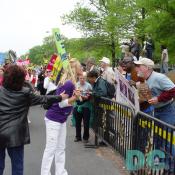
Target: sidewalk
{"points": [[88, 161], [79, 160]]}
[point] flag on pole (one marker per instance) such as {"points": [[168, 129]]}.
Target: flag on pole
{"points": [[57, 67], [59, 44], [51, 62], [61, 60]]}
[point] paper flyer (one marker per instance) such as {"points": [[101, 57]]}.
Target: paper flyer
{"points": [[125, 93]]}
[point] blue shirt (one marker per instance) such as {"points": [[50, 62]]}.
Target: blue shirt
{"points": [[158, 83]]}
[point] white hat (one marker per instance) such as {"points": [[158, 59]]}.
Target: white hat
{"points": [[105, 60], [145, 61]]}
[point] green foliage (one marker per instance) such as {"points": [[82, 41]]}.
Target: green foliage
{"points": [[38, 54], [110, 19], [84, 48], [81, 49], [105, 22], [160, 23]]}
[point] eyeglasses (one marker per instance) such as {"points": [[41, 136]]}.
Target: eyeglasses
{"points": [[137, 65], [126, 62]]}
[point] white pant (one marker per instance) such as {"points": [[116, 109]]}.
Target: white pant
{"points": [[55, 148]]}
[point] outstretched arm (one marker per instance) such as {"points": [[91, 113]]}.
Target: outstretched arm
{"points": [[42, 99]]}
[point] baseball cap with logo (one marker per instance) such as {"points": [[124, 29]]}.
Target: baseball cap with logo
{"points": [[145, 61], [105, 60]]}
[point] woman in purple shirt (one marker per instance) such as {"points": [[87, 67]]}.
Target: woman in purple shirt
{"points": [[55, 121]]}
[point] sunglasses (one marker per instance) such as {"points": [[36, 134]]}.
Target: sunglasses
{"points": [[126, 62]]}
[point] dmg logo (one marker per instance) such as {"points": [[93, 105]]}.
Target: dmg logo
{"points": [[136, 160]]}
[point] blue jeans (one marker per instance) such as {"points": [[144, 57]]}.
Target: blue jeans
{"points": [[164, 67], [166, 114], [16, 155]]}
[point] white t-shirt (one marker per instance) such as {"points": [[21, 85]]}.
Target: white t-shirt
{"points": [[49, 85], [165, 51]]}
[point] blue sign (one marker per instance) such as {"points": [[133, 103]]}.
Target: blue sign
{"points": [[2, 58]]}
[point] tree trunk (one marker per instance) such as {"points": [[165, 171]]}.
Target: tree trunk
{"points": [[143, 17], [113, 50], [143, 13]]}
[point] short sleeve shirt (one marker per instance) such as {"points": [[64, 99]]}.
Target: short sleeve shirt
{"points": [[158, 83], [85, 88]]}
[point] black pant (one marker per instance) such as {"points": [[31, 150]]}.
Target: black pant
{"points": [[85, 115]]}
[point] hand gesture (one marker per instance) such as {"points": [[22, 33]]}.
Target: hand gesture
{"points": [[153, 101], [132, 83], [77, 93], [64, 96]]}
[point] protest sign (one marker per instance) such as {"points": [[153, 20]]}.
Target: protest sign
{"points": [[125, 93], [59, 44], [21, 62], [51, 62], [57, 67], [2, 58]]}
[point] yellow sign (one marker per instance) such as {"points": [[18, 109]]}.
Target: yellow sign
{"points": [[56, 68]]}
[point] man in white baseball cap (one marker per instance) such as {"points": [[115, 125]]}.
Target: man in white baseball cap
{"points": [[107, 72], [163, 92], [162, 89], [105, 60], [146, 62]]}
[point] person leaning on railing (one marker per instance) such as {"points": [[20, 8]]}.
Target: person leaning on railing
{"points": [[136, 79], [163, 91], [98, 84], [99, 89], [14, 106]]}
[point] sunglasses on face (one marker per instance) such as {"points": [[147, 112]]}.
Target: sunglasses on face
{"points": [[126, 62], [137, 65]]}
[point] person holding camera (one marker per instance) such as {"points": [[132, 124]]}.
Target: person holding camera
{"points": [[82, 109]]}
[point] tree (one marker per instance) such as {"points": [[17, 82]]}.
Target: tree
{"points": [[159, 21], [108, 19], [84, 48], [38, 54]]}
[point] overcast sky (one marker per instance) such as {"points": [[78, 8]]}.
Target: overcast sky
{"points": [[24, 22]]}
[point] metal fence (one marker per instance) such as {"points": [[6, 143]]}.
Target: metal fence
{"points": [[113, 124], [152, 134], [116, 125]]}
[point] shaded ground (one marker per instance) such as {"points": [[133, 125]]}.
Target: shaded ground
{"points": [[79, 160]]}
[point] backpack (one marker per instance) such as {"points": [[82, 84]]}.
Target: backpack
{"points": [[47, 105], [110, 89]]}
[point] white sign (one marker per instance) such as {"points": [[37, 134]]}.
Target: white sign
{"points": [[125, 93]]}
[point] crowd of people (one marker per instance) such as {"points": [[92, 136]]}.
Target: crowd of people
{"points": [[146, 50], [21, 88]]}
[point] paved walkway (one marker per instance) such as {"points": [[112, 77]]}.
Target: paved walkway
{"points": [[79, 160]]}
